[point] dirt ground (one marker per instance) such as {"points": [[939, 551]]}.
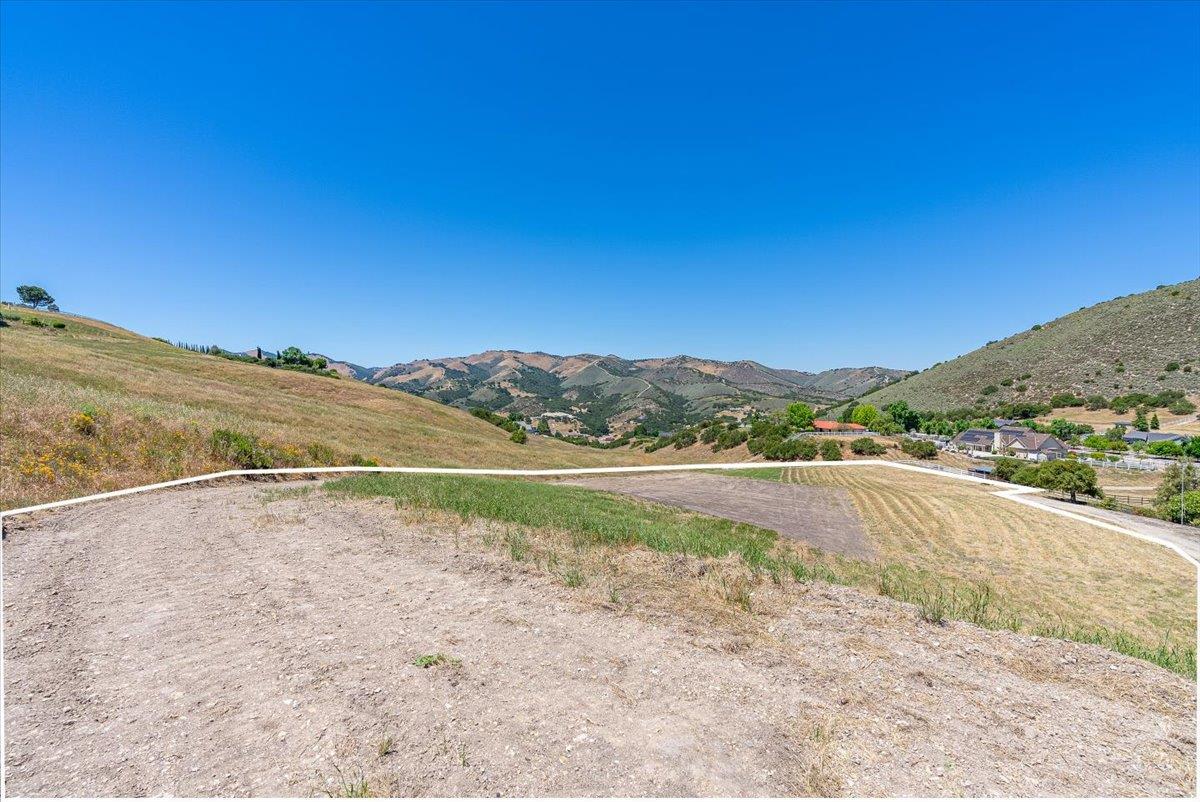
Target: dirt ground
{"points": [[213, 642], [822, 517]]}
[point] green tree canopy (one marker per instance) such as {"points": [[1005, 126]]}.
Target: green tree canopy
{"points": [[293, 356], [1183, 508], [864, 415], [801, 415], [1068, 476], [34, 296], [904, 417]]}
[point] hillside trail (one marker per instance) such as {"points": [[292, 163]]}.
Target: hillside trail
{"points": [[209, 641]]}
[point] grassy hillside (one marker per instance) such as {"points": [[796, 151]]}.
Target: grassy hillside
{"points": [[1146, 342], [92, 407]]}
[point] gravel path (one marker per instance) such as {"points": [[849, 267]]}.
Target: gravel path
{"points": [[204, 642], [824, 517]]}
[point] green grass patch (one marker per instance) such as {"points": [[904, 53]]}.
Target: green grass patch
{"points": [[593, 518], [439, 659]]}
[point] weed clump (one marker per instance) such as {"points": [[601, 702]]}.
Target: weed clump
{"points": [[439, 659], [83, 423]]}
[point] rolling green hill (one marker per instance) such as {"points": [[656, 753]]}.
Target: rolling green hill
{"points": [[1146, 342]]}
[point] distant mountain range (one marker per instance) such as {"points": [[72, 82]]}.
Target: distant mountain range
{"points": [[596, 394]]}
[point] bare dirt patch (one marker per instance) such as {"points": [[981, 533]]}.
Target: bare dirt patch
{"points": [[229, 641], [824, 517]]}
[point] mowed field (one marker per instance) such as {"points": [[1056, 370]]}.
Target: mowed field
{"points": [[153, 408], [1048, 570]]}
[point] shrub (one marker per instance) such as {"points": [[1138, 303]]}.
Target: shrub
{"points": [[831, 450], [1182, 407], [805, 449], [730, 438], [321, 454], [363, 462], [1165, 448], [1066, 400], [1103, 443], [519, 437], [243, 450], [685, 439], [1171, 366], [36, 322], [1005, 468], [989, 390], [1006, 383], [761, 445], [1183, 507], [58, 324], [83, 423], [868, 447], [791, 450], [921, 449]]}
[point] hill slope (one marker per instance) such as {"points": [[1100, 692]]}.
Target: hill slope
{"points": [[609, 392], [93, 407], [1124, 345]]}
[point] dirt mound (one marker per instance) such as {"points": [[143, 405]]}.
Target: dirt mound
{"points": [[232, 641]]}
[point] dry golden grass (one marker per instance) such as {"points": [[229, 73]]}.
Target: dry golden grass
{"points": [[156, 405], [1043, 566], [1102, 419], [1126, 482]]}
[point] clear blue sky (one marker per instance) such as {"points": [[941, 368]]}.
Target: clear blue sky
{"points": [[806, 185]]}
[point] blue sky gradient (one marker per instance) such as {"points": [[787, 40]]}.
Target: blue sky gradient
{"points": [[810, 185]]}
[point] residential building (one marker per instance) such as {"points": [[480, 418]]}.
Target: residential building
{"points": [[1016, 441], [1135, 436]]}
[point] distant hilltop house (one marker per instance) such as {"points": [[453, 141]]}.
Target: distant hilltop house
{"points": [[1153, 437], [1015, 440], [837, 426]]}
